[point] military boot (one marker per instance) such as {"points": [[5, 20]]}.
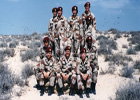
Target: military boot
{"points": [[50, 90], [93, 89], [60, 92], [71, 92], [80, 93], [87, 92], [42, 88]]}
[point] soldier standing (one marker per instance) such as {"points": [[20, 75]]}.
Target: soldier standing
{"points": [[47, 68], [52, 29], [62, 28], [76, 28], [86, 14], [93, 57], [84, 73]]}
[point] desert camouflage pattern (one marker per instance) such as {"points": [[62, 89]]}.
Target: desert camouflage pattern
{"points": [[76, 29]]}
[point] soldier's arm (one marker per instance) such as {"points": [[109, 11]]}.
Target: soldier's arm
{"points": [[42, 53], [42, 67], [81, 26], [94, 21], [89, 70], [78, 66], [50, 26]]}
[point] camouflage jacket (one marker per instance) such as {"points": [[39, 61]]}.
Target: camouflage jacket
{"points": [[76, 27], [93, 57], [84, 67], [84, 15], [89, 31], [66, 65], [42, 52], [48, 64], [62, 27], [52, 28]]}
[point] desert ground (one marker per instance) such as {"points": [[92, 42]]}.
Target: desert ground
{"points": [[118, 58]]}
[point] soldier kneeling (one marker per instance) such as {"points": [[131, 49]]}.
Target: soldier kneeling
{"points": [[84, 73], [93, 57], [42, 54]]}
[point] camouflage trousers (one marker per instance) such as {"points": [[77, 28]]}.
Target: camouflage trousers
{"points": [[70, 78], [94, 75], [80, 81], [43, 76]]}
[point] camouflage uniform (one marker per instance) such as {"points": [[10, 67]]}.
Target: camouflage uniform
{"points": [[68, 70], [62, 28], [76, 28], [93, 57], [84, 68], [88, 29], [84, 16], [52, 29], [47, 66], [42, 55]]}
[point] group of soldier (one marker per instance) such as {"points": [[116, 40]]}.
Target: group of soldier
{"points": [[69, 54]]}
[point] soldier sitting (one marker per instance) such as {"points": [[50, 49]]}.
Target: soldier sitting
{"points": [[93, 57], [84, 73], [68, 69], [47, 71]]}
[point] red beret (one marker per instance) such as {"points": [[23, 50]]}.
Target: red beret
{"points": [[54, 10], [67, 48], [46, 39], [83, 50], [59, 9], [87, 4], [49, 49], [75, 8]]}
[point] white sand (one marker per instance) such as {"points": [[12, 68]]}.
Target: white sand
{"points": [[106, 86]]}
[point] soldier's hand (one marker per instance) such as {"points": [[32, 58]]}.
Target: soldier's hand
{"points": [[94, 28], [46, 74], [84, 76]]}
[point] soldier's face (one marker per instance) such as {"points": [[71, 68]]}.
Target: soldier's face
{"points": [[83, 55], [46, 44], [48, 54], [59, 13], [74, 12], [67, 53], [54, 13], [87, 8]]}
